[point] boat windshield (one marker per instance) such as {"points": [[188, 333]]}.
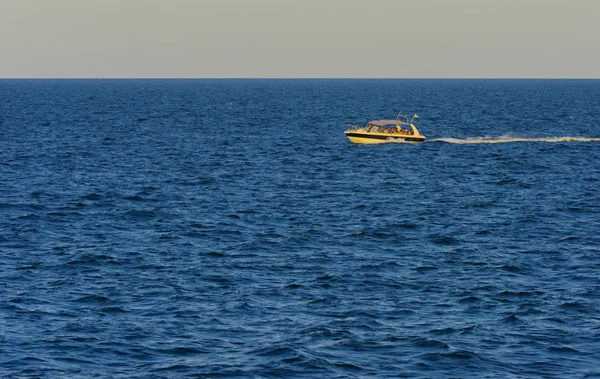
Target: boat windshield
{"points": [[388, 123]]}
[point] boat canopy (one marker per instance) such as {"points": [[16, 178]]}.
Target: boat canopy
{"points": [[386, 122]]}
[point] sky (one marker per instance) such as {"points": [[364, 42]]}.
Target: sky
{"points": [[300, 38]]}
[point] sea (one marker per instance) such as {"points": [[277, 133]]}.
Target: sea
{"points": [[228, 228]]}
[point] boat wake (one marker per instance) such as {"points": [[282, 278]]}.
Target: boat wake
{"points": [[399, 140], [508, 139]]}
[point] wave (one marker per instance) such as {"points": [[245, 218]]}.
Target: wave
{"points": [[509, 139]]}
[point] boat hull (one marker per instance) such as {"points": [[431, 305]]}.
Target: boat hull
{"points": [[372, 138]]}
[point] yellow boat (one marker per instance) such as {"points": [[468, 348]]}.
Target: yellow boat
{"points": [[382, 131]]}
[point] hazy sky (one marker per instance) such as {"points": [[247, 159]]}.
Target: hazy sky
{"points": [[300, 38]]}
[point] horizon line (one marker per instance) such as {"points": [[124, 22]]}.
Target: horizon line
{"points": [[293, 78]]}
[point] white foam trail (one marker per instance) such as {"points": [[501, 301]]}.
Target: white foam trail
{"points": [[503, 139], [401, 141]]}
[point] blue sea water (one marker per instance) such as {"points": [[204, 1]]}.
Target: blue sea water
{"points": [[228, 228]]}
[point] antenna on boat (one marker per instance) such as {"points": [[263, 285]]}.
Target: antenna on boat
{"points": [[401, 118]]}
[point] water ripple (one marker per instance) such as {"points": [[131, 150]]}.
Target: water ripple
{"points": [[228, 228]]}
